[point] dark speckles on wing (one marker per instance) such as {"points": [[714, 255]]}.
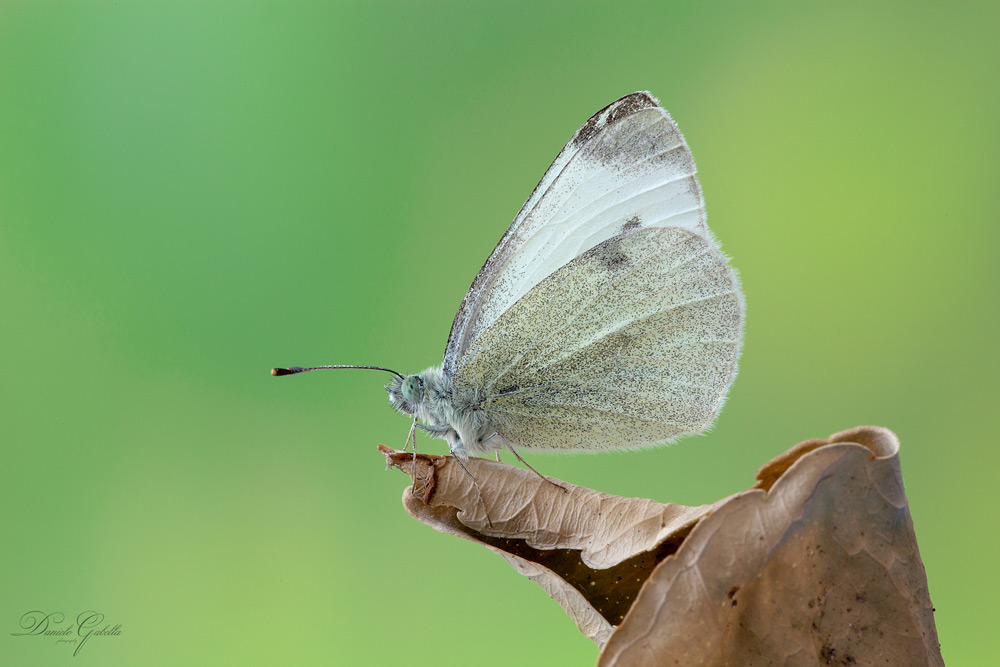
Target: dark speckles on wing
{"points": [[628, 105], [632, 223], [611, 255], [633, 342], [588, 130], [629, 158], [615, 111]]}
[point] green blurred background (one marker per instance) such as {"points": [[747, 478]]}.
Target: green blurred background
{"points": [[192, 192]]}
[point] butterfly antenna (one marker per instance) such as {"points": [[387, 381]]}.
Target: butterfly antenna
{"points": [[292, 370]]}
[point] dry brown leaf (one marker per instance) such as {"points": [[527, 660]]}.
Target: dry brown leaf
{"points": [[817, 564]]}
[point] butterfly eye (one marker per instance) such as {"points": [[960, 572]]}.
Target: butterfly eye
{"points": [[412, 388]]}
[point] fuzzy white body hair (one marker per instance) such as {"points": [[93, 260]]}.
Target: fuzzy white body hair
{"points": [[458, 418]]}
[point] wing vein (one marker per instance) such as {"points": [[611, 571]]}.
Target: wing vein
{"points": [[577, 420], [596, 296], [572, 376], [572, 319], [608, 194]]}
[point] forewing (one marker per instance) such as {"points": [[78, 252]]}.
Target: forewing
{"points": [[626, 168], [634, 342]]}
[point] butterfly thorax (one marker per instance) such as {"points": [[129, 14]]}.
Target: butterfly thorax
{"points": [[454, 416]]}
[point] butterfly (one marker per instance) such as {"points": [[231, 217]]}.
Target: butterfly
{"points": [[606, 317]]}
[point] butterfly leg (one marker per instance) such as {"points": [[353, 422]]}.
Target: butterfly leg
{"points": [[459, 453], [476, 482], [528, 465], [497, 451], [410, 436]]}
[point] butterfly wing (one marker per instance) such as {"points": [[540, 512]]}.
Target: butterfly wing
{"points": [[628, 167], [634, 342]]}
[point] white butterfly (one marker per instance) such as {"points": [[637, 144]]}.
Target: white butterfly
{"points": [[606, 317]]}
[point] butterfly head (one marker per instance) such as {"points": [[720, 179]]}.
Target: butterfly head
{"points": [[406, 393]]}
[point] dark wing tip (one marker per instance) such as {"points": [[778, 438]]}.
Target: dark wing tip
{"points": [[620, 108], [641, 99]]}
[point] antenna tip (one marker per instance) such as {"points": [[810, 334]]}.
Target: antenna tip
{"points": [[285, 371]]}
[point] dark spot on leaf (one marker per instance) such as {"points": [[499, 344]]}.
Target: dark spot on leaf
{"points": [[607, 590]]}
